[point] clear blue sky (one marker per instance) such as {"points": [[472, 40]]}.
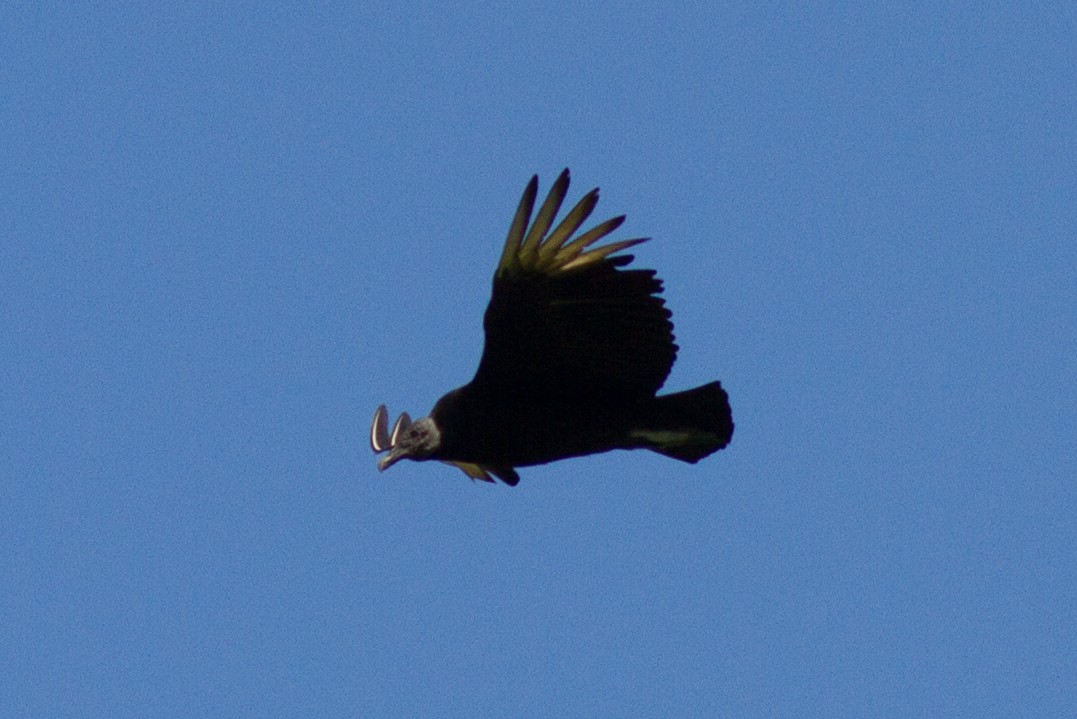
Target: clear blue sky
{"points": [[228, 234]]}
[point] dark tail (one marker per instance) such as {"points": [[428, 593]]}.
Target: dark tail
{"points": [[689, 425]]}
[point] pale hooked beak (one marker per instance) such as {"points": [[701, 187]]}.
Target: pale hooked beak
{"points": [[390, 459]]}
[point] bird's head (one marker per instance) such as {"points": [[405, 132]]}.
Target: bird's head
{"points": [[416, 440]]}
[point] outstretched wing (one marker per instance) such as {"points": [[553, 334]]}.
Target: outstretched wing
{"points": [[564, 319]]}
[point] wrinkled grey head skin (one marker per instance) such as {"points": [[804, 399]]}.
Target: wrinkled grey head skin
{"points": [[416, 440]]}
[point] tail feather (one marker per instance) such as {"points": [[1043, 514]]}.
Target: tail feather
{"points": [[689, 425]]}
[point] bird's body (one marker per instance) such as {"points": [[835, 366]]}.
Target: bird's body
{"points": [[576, 349], [498, 435]]}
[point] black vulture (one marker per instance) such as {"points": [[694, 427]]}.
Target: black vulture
{"points": [[576, 350]]}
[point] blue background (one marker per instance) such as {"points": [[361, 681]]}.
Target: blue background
{"points": [[229, 233]]}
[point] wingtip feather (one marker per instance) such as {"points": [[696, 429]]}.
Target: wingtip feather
{"points": [[545, 216], [537, 249], [510, 254], [600, 253], [379, 430]]}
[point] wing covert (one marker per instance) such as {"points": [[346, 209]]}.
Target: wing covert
{"points": [[564, 317]]}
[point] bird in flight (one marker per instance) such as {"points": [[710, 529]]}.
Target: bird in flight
{"points": [[576, 350]]}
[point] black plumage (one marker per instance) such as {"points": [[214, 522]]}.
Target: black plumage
{"points": [[576, 349]]}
